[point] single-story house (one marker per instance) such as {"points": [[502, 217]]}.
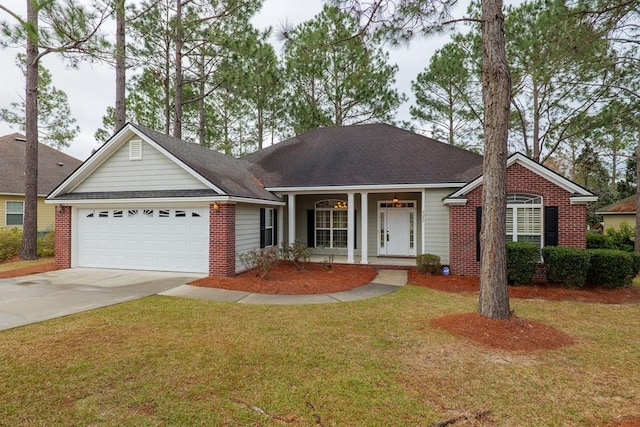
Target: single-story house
{"points": [[53, 167], [616, 213], [145, 200]]}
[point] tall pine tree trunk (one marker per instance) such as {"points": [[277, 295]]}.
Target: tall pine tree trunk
{"points": [[494, 298], [202, 117], [260, 127], [177, 118], [120, 65], [30, 222], [537, 148], [636, 245]]}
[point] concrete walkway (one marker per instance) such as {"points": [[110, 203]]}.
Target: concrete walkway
{"points": [[385, 282]]}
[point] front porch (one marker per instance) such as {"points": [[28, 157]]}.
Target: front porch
{"points": [[380, 228]]}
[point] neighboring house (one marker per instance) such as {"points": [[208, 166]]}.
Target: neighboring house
{"points": [[53, 167], [616, 213], [145, 200]]}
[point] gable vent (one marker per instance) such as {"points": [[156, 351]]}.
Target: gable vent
{"points": [[135, 149]]}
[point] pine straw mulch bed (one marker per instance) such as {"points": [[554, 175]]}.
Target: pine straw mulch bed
{"points": [[286, 279], [471, 284], [25, 271]]}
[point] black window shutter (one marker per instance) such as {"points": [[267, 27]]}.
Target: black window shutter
{"points": [[275, 227], [262, 227], [355, 229], [478, 227], [311, 228], [551, 226]]}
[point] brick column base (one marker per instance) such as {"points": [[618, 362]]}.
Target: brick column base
{"points": [[222, 239], [63, 236]]}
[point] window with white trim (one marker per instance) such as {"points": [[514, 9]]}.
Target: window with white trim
{"points": [[331, 223], [268, 227], [524, 218], [14, 212]]}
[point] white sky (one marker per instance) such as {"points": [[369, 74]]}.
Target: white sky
{"points": [[91, 88]]}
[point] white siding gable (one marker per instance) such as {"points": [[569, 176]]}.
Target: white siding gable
{"points": [[154, 171]]}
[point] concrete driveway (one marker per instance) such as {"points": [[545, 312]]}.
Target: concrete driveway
{"points": [[38, 297]]}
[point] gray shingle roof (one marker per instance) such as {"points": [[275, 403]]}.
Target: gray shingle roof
{"points": [[53, 165], [227, 173], [105, 195], [370, 154]]}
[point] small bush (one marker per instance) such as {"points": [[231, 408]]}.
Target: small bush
{"points": [[428, 264], [610, 268], [522, 259], [566, 266], [598, 241], [10, 242], [635, 258], [262, 259], [297, 253], [47, 244], [622, 238]]}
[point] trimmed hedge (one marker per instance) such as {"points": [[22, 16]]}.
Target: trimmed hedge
{"points": [[566, 266], [610, 268], [10, 242], [522, 259], [428, 264], [635, 258]]}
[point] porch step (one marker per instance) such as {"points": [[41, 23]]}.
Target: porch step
{"points": [[391, 277]]}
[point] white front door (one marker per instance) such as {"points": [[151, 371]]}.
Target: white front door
{"points": [[397, 231]]}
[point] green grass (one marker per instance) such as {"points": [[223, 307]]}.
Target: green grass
{"points": [[169, 361], [22, 264]]}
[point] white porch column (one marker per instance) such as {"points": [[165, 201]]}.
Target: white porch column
{"points": [[364, 225], [423, 222], [291, 219], [351, 216], [281, 225]]}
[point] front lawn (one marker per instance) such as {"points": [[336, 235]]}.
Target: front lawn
{"points": [[170, 361]]}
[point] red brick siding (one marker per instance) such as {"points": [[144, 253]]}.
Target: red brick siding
{"points": [[63, 236], [222, 239], [572, 219]]}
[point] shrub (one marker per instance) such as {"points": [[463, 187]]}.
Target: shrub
{"points": [[566, 266], [599, 241], [47, 244], [635, 258], [297, 253], [622, 238], [262, 259], [428, 264], [10, 242], [610, 268], [522, 259]]}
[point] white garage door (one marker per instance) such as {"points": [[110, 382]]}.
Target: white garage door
{"points": [[144, 239]]}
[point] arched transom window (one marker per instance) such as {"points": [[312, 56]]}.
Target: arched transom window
{"points": [[524, 218], [331, 223]]}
